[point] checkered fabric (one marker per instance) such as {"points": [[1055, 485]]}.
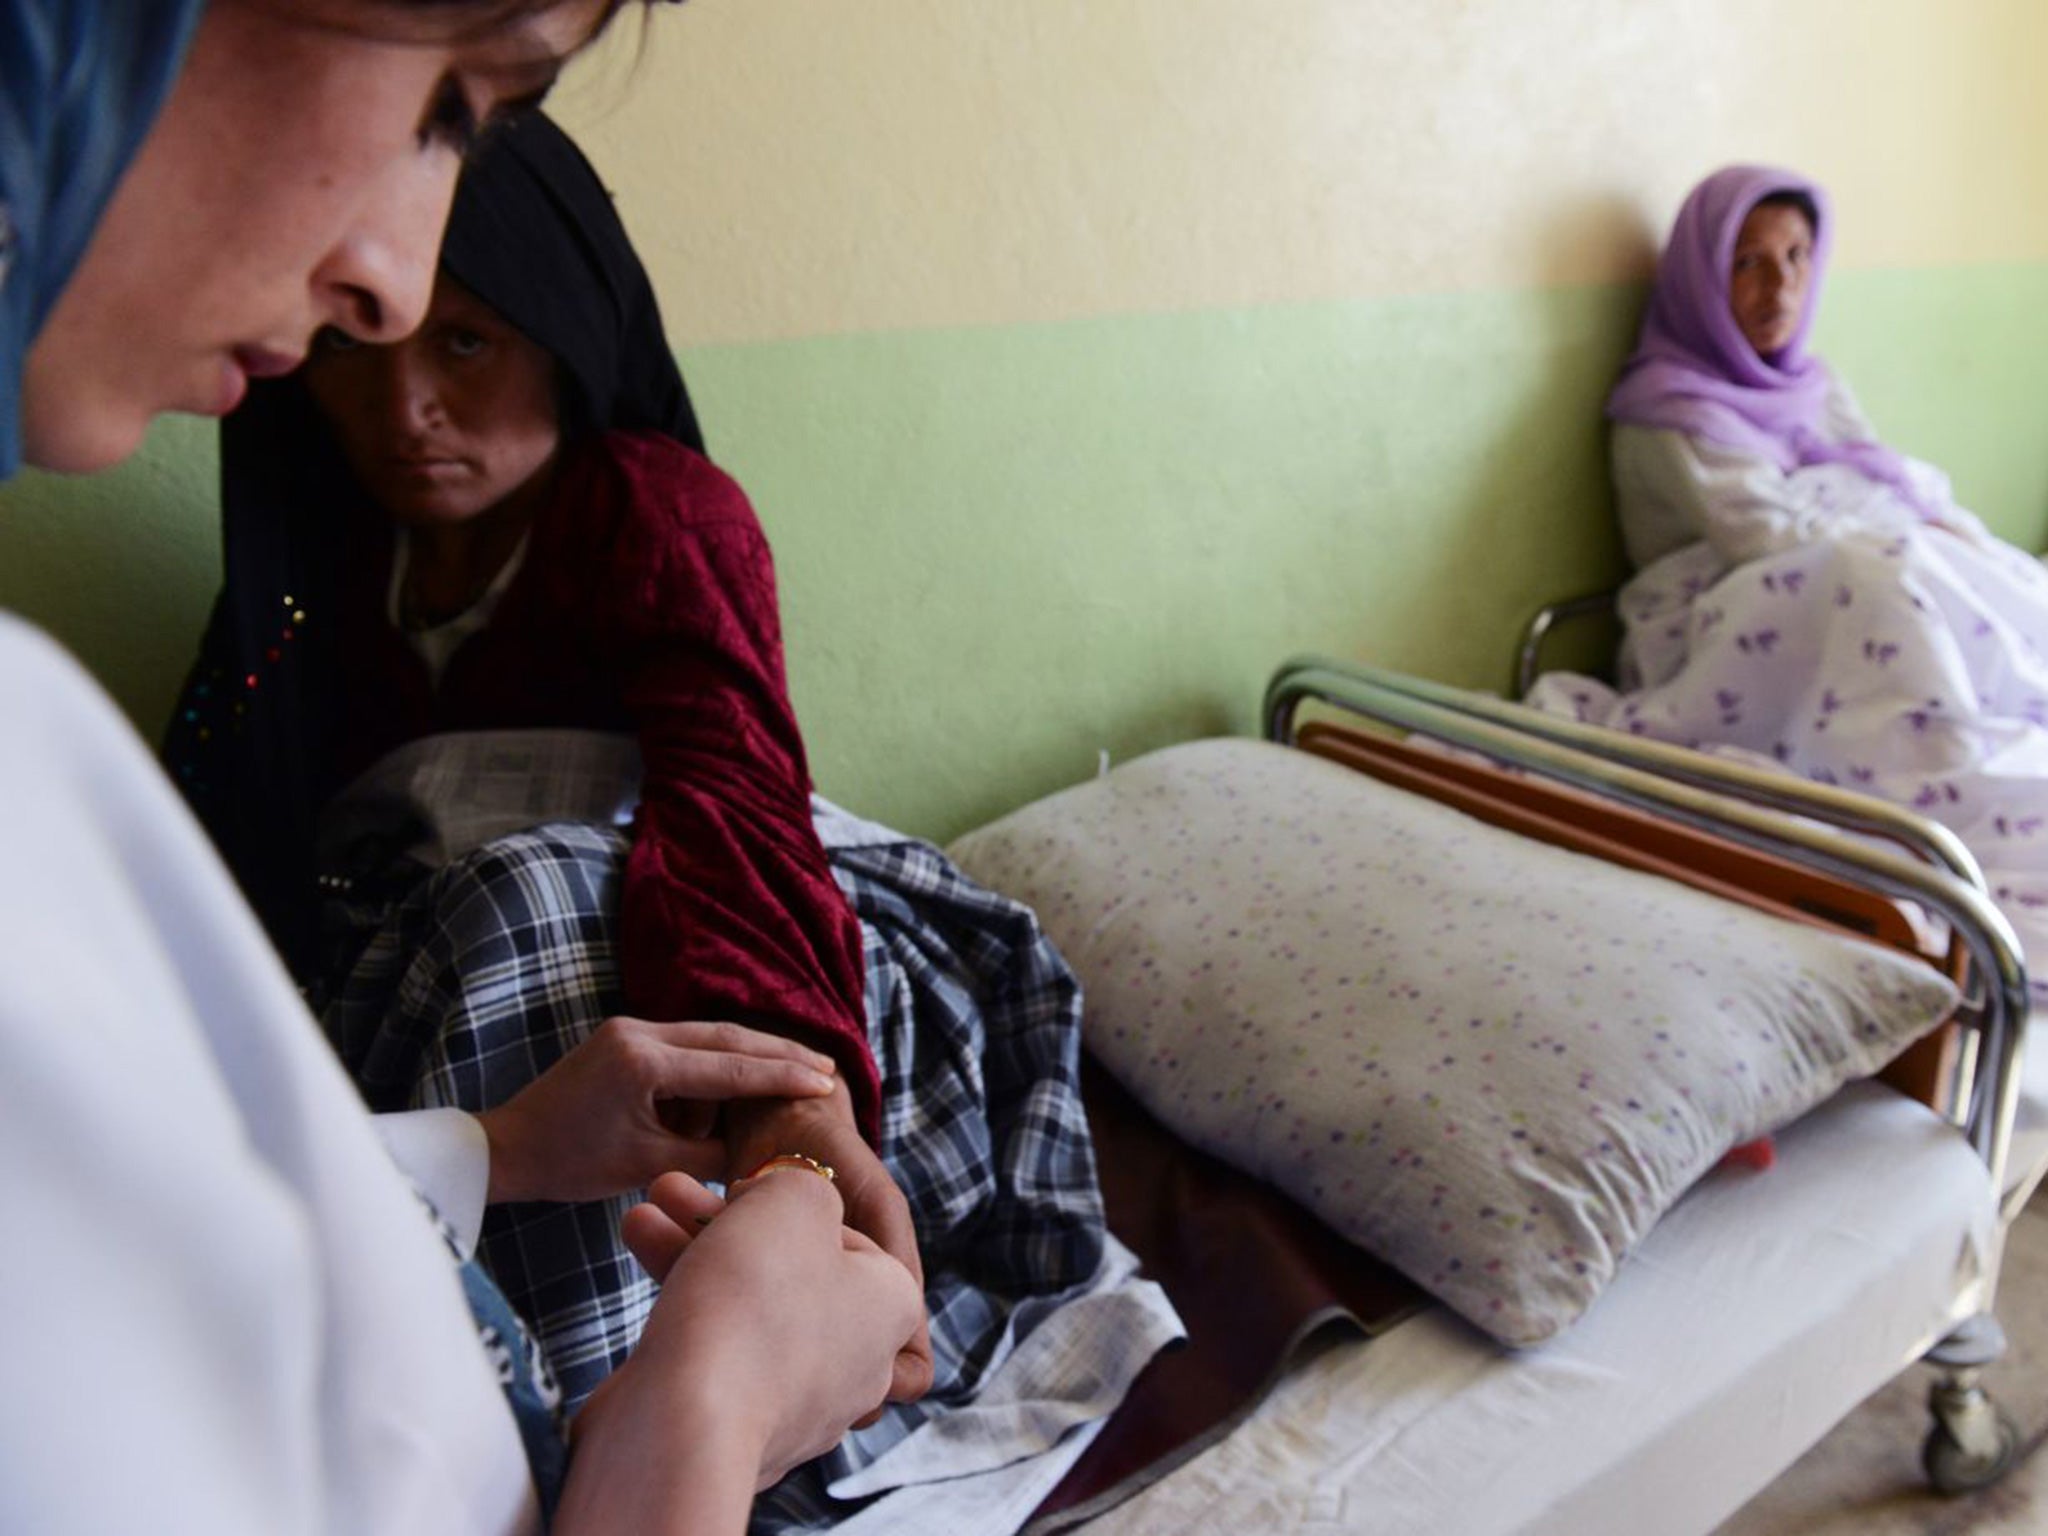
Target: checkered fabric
{"points": [[465, 983], [975, 1022], [473, 982]]}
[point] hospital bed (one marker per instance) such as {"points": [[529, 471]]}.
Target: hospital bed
{"points": [[1753, 1314]]}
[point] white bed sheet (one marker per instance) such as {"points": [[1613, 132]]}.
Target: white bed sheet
{"points": [[1760, 1311]]}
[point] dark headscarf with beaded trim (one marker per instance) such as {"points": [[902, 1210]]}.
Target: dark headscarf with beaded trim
{"points": [[533, 234]]}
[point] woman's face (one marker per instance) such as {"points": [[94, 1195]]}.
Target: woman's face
{"points": [[452, 422], [299, 176], [1773, 270]]}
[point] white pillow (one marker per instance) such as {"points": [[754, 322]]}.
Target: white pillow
{"points": [[1491, 1062]]}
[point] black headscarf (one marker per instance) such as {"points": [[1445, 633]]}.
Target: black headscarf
{"points": [[533, 234]]}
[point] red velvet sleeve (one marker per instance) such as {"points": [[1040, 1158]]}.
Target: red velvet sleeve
{"points": [[729, 909]]}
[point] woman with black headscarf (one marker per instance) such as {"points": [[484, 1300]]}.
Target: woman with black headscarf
{"points": [[489, 556], [505, 522], [637, 593]]}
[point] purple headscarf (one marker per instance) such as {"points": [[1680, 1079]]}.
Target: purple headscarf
{"points": [[1694, 371]]}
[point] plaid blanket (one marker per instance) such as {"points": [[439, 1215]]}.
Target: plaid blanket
{"points": [[459, 985]]}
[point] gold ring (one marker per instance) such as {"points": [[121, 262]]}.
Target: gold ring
{"points": [[824, 1171]]}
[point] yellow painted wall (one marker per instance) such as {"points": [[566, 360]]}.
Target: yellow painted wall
{"points": [[809, 167]]}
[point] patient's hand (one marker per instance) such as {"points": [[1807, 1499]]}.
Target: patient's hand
{"points": [[824, 1128], [635, 1100]]}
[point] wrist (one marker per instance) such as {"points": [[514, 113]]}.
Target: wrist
{"points": [[509, 1177], [753, 1124]]}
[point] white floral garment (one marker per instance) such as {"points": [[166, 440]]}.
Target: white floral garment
{"points": [[1851, 640]]}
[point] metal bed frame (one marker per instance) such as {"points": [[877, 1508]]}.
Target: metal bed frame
{"points": [[1529, 654], [1871, 842]]}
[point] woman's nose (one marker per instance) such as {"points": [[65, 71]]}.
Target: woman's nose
{"points": [[377, 278], [406, 401]]}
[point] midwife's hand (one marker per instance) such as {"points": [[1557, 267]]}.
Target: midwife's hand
{"points": [[775, 1328], [635, 1100], [824, 1128]]}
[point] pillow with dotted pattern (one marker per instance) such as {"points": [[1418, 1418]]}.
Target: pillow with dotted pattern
{"points": [[1491, 1062]]}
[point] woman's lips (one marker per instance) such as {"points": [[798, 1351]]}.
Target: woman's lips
{"points": [[427, 467], [239, 367], [266, 363], [233, 385]]}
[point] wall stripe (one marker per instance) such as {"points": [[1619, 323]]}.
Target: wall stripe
{"points": [[1005, 550]]}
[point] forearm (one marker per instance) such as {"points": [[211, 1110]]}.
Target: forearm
{"points": [[729, 908], [724, 918], [684, 1470]]}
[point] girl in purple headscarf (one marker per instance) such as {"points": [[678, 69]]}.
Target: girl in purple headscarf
{"points": [[1802, 591]]}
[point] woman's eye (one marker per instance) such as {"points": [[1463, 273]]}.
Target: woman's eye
{"points": [[464, 343], [333, 339], [450, 121]]}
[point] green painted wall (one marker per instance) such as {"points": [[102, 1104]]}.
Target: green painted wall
{"points": [[1005, 550], [120, 566]]}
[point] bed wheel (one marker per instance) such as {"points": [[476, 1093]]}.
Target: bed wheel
{"points": [[1973, 1442]]}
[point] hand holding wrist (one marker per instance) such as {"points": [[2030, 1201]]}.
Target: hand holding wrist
{"points": [[637, 1099]]}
